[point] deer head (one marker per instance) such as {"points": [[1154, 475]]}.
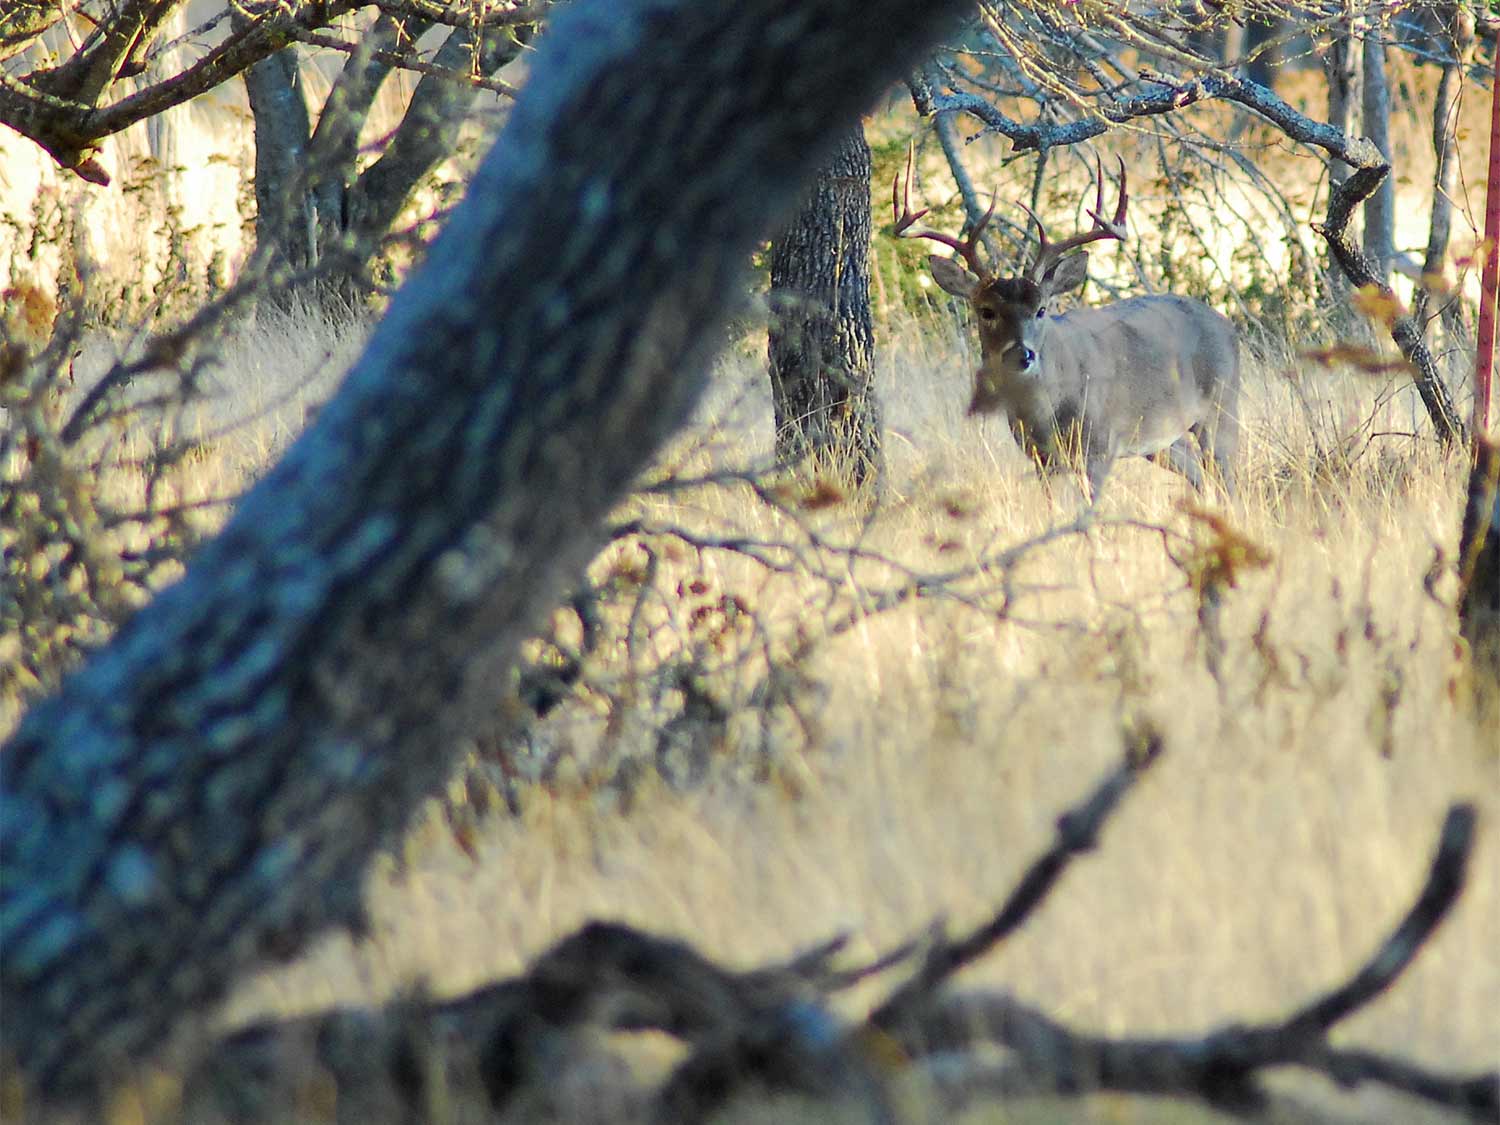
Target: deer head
{"points": [[1011, 312]]}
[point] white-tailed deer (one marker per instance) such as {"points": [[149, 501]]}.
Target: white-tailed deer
{"points": [[1140, 376]]}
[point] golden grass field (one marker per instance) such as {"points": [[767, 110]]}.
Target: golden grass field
{"points": [[1286, 830]]}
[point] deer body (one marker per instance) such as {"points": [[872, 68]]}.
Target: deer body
{"points": [[1142, 376], [1132, 378]]}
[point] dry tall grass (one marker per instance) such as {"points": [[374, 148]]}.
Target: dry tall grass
{"points": [[1286, 831]]}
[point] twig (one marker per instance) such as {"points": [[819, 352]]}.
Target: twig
{"points": [[404, 61]]}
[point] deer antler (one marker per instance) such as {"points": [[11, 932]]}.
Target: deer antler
{"points": [[1048, 253], [901, 212]]}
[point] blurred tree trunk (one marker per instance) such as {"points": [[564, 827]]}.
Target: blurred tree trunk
{"points": [[1341, 69], [164, 129], [822, 337], [278, 110], [1453, 26], [1479, 572], [1262, 52], [1375, 111], [209, 789]]}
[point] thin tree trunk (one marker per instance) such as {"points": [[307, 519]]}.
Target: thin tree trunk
{"points": [[210, 787], [1341, 69], [1455, 31], [822, 338], [1262, 53], [1375, 109], [1479, 572], [278, 109]]}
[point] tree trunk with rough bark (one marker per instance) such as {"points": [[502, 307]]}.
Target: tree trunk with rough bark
{"points": [[1375, 110], [822, 338], [210, 787]]}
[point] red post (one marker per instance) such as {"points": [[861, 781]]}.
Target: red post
{"points": [[1484, 362]]}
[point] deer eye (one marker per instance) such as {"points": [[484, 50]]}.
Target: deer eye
{"points": [[986, 313]]}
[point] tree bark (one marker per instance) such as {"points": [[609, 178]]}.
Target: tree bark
{"points": [[429, 131], [333, 149], [210, 787], [1375, 109], [284, 216], [1454, 27], [1479, 572], [1341, 70], [822, 337]]}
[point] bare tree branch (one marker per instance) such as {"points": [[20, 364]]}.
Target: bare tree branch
{"points": [[1077, 832], [402, 61], [772, 1027], [70, 129], [1404, 329]]}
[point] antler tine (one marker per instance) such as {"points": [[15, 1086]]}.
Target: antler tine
{"points": [[1041, 229], [901, 213], [1049, 252], [1116, 226]]}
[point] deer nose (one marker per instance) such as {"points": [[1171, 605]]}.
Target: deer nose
{"points": [[1028, 357]]}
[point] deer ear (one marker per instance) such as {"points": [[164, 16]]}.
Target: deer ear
{"points": [[1068, 273], [952, 277]]}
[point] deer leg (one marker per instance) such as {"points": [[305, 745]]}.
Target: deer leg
{"points": [[1187, 459], [1218, 444], [1097, 463]]}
